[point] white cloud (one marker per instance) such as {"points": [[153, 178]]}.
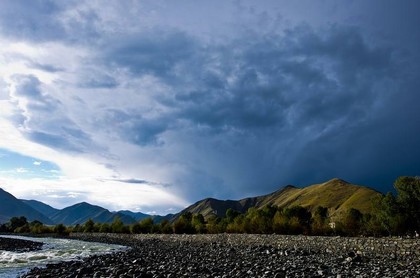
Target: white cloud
{"points": [[111, 195], [70, 165], [4, 90], [78, 171], [21, 170]]}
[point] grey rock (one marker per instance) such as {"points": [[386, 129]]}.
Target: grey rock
{"points": [[228, 255]]}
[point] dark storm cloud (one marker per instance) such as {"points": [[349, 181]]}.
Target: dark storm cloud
{"points": [[374, 151], [133, 127], [135, 181], [287, 107], [140, 181], [98, 81], [157, 52], [144, 131], [41, 21], [28, 87], [35, 20], [244, 112], [44, 67], [298, 80]]}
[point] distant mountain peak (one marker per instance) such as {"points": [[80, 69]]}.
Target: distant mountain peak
{"points": [[45, 209], [336, 180], [79, 213], [284, 188], [5, 194], [86, 205], [11, 206], [83, 204]]}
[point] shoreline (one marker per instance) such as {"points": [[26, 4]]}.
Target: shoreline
{"points": [[18, 245], [242, 255]]}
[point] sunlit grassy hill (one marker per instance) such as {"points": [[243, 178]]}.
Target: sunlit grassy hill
{"points": [[336, 195]]}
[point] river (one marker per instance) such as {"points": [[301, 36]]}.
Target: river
{"points": [[13, 264]]}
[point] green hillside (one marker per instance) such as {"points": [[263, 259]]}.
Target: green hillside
{"points": [[336, 195]]}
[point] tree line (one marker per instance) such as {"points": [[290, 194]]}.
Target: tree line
{"points": [[395, 215]]}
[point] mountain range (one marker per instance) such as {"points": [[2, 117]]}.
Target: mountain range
{"points": [[75, 214], [337, 195], [11, 206]]}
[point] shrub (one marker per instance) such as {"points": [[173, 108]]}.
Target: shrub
{"points": [[88, 227], [60, 229], [118, 226]]}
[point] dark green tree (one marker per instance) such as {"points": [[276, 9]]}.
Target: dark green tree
{"points": [[23, 229], [105, 228], [37, 227], [60, 229], [88, 227], [299, 219], [165, 227], [35, 222], [146, 225], [231, 214], [269, 211], [16, 222], [213, 225], [117, 226], [408, 189], [135, 228], [238, 225], [319, 223], [183, 225], [390, 215], [260, 221], [372, 225], [77, 228], [280, 223], [199, 223], [353, 222]]}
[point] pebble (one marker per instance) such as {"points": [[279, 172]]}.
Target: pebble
{"points": [[227, 255]]}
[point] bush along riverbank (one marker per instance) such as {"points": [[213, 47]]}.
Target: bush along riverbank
{"points": [[240, 255]]}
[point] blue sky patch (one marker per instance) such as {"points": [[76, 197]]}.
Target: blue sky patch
{"points": [[15, 165]]}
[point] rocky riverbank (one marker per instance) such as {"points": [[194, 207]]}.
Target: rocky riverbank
{"points": [[227, 255], [19, 245]]}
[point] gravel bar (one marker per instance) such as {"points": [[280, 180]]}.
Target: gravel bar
{"points": [[237, 255], [19, 245]]}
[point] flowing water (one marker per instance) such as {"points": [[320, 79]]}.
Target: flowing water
{"points": [[13, 264]]}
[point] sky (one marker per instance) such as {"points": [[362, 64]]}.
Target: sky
{"points": [[153, 105]]}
